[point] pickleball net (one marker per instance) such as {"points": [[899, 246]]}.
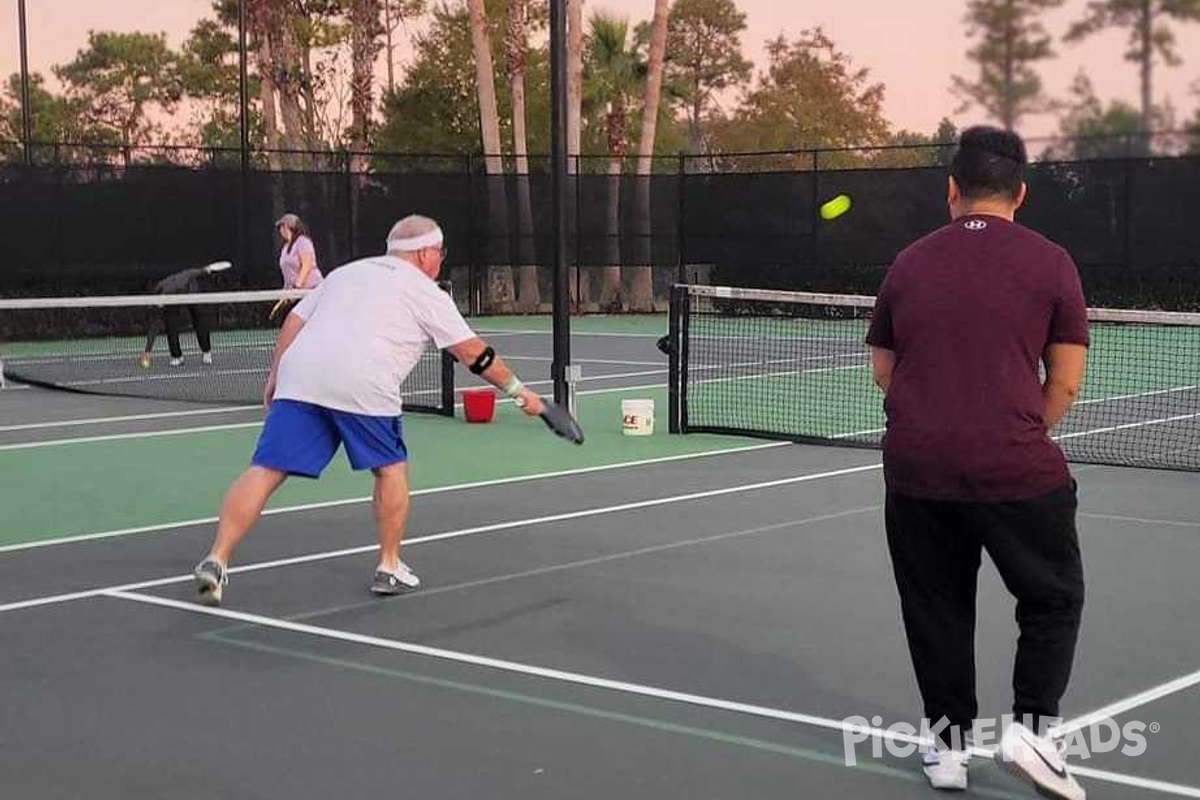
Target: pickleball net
{"points": [[794, 366], [95, 345]]}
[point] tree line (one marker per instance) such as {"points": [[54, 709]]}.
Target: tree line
{"points": [[477, 82]]}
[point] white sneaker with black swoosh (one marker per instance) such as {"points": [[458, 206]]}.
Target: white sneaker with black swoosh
{"points": [[1036, 760], [946, 770]]}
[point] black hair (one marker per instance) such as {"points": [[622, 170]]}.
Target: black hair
{"points": [[989, 162]]}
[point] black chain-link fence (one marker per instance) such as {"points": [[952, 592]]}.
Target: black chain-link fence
{"points": [[111, 220]]}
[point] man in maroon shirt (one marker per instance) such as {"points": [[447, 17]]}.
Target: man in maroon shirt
{"points": [[962, 321]]}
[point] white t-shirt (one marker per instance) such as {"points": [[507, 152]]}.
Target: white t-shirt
{"points": [[365, 328]]}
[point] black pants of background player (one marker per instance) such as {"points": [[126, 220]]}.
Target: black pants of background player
{"points": [[936, 552], [173, 319]]}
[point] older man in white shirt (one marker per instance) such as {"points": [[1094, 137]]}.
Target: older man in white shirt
{"points": [[341, 356]]}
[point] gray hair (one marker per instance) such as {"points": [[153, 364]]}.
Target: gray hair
{"points": [[411, 227]]}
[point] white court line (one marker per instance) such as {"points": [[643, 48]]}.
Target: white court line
{"points": [[1081, 434], [502, 665], [438, 537], [135, 435], [1056, 437], [574, 333], [171, 376], [126, 418], [1143, 520], [594, 378], [1128, 704], [608, 558], [509, 357], [1137, 396], [1162, 787], [591, 681], [234, 426], [131, 356], [1127, 426], [86, 537]]}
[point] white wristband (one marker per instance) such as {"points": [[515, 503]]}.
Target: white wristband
{"points": [[513, 387]]}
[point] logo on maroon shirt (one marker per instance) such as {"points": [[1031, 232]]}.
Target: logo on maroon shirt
{"points": [[975, 224]]}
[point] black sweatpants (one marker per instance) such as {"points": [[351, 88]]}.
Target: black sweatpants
{"points": [[172, 318], [935, 548]]}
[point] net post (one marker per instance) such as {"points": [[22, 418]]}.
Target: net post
{"points": [[678, 296], [447, 404]]}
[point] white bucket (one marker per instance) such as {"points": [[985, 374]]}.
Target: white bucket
{"points": [[637, 417]]}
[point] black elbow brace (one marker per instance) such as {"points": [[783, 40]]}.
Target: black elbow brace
{"points": [[483, 362]]}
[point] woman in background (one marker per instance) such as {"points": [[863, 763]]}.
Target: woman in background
{"points": [[297, 259]]}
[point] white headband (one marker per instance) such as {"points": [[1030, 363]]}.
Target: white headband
{"points": [[414, 243]]}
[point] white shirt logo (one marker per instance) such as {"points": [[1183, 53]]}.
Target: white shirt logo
{"points": [[974, 224]]}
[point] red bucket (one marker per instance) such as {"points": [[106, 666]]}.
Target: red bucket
{"points": [[479, 404]]}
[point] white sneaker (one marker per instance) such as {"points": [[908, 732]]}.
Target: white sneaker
{"points": [[211, 577], [1036, 760], [206, 358], [176, 362], [398, 582], [947, 769]]}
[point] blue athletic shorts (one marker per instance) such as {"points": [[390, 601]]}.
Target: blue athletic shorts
{"points": [[302, 438]]}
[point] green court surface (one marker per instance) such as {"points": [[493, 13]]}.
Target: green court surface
{"points": [[95, 486], [850, 402]]}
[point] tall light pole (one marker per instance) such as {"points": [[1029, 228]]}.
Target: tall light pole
{"points": [[26, 111], [560, 369]]}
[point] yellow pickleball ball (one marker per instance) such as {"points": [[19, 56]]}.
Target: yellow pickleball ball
{"points": [[836, 207]]}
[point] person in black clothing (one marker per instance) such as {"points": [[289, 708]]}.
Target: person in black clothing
{"points": [[172, 317]]}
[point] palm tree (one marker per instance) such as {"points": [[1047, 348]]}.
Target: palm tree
{"points": [[529, 297], [642, 287], [500, 282], [613, 75]]}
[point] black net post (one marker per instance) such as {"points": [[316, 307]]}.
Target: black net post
{"points": [[678, 356], [447, 400]]}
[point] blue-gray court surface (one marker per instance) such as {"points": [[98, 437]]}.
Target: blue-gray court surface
{"points": [[655, 616]]}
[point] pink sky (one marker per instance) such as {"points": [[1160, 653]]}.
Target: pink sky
{"points": [[913, 48]]}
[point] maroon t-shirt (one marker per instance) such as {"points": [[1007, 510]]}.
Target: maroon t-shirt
{"points": [[968, 311]]}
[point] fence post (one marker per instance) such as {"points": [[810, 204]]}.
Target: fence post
{"points": [[1128, 205], [681, 266], [473, 304], [351, 208], [816, 204], [580, 300]]}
